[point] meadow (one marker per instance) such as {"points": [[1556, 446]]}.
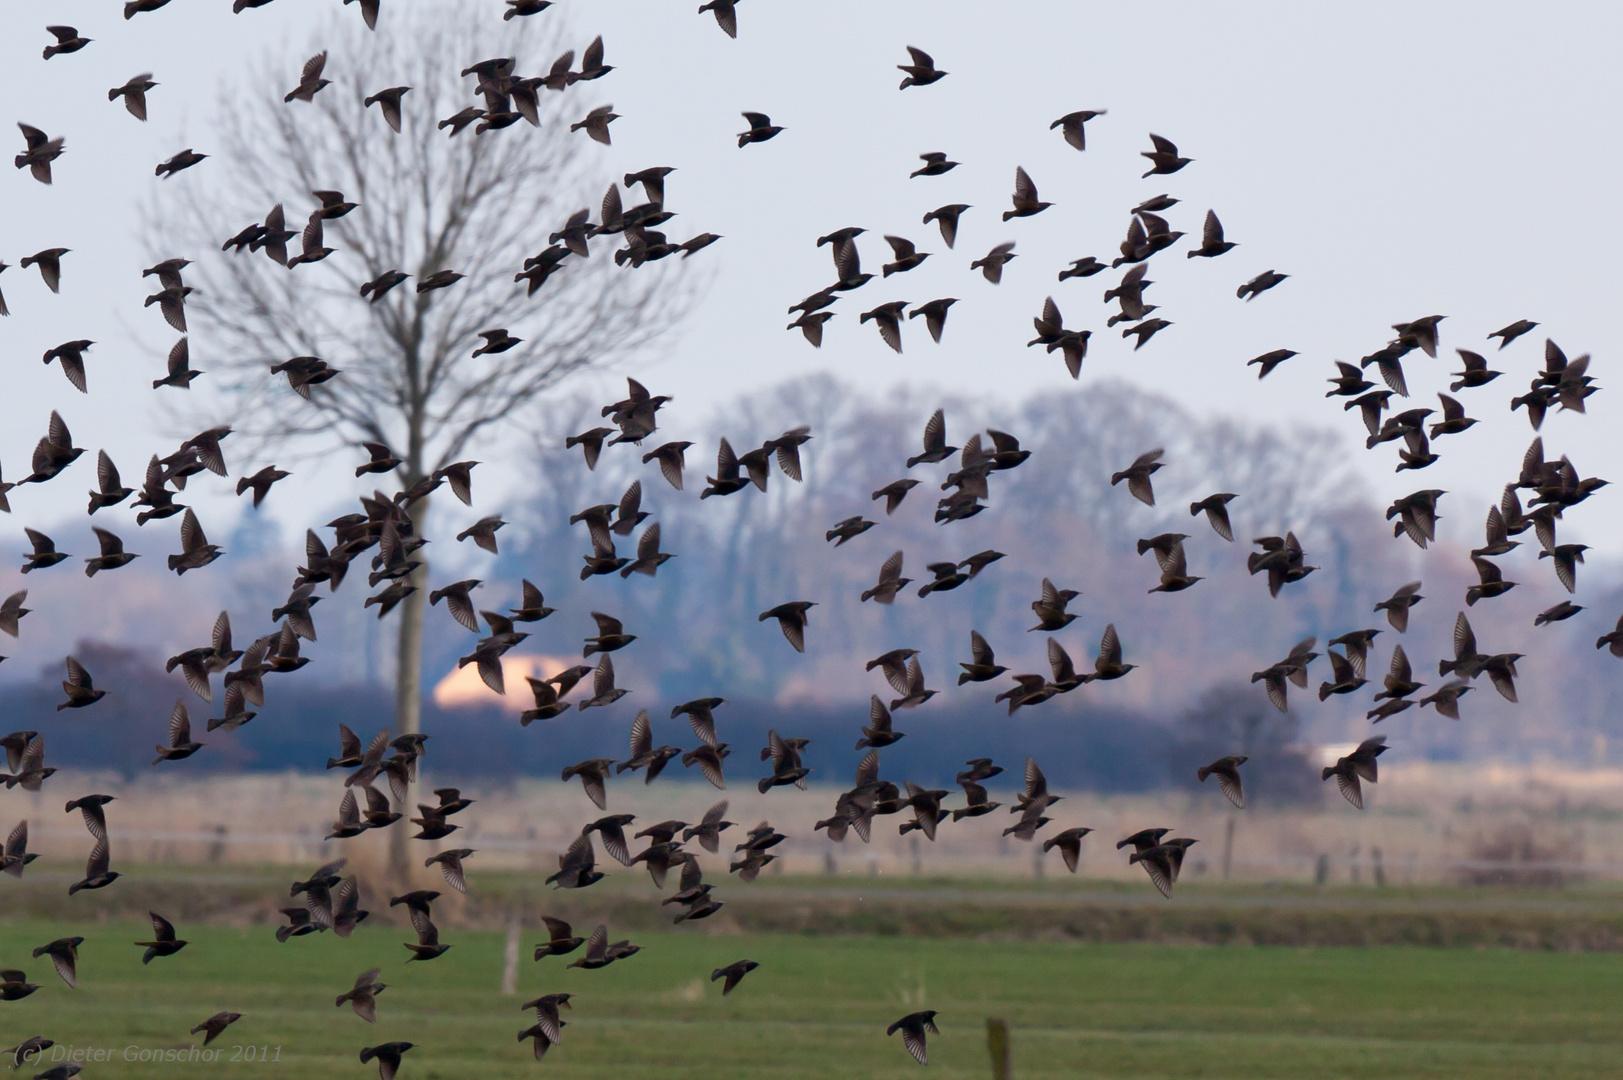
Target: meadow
{"points": [[819, 1004]]}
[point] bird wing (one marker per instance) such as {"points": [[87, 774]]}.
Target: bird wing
{"points": [[96, 865], [1110, 646], [180, 725], [920, 58], [110, 543], [1036, 782], [1025, 192], [847, 262], [1059, 661], [191, 532], [77, 675], [980, 652], [642, 734], [162, 929], [603, 677]]}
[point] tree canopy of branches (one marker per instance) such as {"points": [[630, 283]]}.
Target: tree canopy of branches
{"points": [[474, 203]]}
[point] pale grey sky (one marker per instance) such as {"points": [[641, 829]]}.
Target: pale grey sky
{"points": [[1398, 160]]}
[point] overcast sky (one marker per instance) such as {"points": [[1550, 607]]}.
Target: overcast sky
{"points": [[1398, 160]]}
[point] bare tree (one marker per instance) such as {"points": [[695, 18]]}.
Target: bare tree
{"points": [[474, 203]]}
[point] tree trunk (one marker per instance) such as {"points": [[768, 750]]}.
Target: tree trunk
{"points": [[408, 686]]}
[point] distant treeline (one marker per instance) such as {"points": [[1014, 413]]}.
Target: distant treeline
{"points": [[1055, 516]]}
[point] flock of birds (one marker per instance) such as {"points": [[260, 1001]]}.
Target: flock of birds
{"points": [[384, 525]]}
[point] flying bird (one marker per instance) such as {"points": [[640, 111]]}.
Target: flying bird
{"points": [[1071, 126]]}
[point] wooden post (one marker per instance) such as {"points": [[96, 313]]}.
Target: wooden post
{"points": [[1228, 846], [510, 958], [997, 1041]]}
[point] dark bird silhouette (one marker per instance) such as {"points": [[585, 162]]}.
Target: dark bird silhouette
{"points": [[44, 553], [1227, 771], [644, 755], [1476, 372], [1069, 843], [850, 527], [49, 262], [164, 942], [1082, 268], [134, 94], [935, 163], [68, 40], [15, 855], [1050, 607], [417, 905], [1072, 125], [215, 1024], [890, 581], [1566, 609], [1215, 507], [733, 973], [791, 620], [14, 986], [310, 80], [1026, 202], [1512, 332], [41, 151], [362, 997], [1138, 475], [1164, 158], [388, 102], [1163, 861], [709, 759], [1398, 604], [64, 954], [181, 745], [196, 552], [922, 71], [761, 128], [1355, 767], [483, 533], [887, 318], [991, 266], [29, 770], [1212, 243], [1565, 558], [97, 874], [183, 160], [1491, 581], [78, 687], [496, 341], [576, 866], [1270, 360], [913, 1026], [710, 828], [946, 217], [594, 774], [560, 941], [439, 279], [1292, 669], [1612, 642], [1259, 285], [387, 1056], [11, 612], [1144, 331]]}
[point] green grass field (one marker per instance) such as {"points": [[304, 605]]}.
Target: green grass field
{"points": [[818, 1007]]}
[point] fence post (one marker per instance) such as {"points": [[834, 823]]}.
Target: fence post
{"points": [[997, 1041], [510, 957], [1228, 846]]}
